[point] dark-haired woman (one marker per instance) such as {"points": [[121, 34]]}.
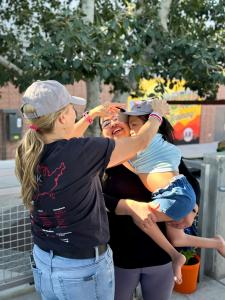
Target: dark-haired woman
{"points": [[173, 196], [137, 258]]}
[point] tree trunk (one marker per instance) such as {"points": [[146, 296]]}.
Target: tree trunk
{"points": [[92, 87], [88, 7], [163, 16], [164, 13], [93, 93], [120, 97]]}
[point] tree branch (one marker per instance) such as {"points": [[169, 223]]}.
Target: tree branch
{"points": [[164, 13], [163, 16], [7, 64], [88, 8]]}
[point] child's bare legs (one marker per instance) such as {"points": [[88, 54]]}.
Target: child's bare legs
{"points": [[178, 259], [221, 243], [179, 238]]}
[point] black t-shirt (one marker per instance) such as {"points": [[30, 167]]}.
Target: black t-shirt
{"points": [[69, 209], [132, 248]]}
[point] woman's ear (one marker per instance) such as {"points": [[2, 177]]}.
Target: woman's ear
{"points": [[62, 118]]}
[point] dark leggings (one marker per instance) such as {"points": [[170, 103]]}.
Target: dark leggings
{"points": [[156, 282]]}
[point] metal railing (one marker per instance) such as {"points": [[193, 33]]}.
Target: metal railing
{"points": [[15, 246]]}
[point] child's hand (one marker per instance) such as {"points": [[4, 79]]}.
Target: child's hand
{"points": [[160, 106], [139, 211], [106, 109]]}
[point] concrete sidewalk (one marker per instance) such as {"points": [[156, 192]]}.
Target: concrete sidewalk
{"points": [[208, 289]]}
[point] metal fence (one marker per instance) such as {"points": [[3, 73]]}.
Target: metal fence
{"points": [[212, 212], [15, 246]]}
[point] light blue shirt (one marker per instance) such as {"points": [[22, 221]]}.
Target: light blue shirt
{"points": [[158, 156]]}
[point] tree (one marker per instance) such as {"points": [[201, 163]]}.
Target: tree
{"points": [[92, 85], [113, 42]]}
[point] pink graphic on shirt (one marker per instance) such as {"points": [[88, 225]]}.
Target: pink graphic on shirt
{"points": [[59, 214], [44, 219], [51, 177]]}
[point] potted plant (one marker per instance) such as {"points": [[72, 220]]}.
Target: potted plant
{"points": [[189, 272]]}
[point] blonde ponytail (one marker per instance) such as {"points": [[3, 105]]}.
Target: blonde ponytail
{"points": [[27, 158], [29, 151]]}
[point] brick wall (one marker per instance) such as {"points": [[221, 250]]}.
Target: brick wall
{"points": [[221, 93], [10, 99], [207, 124], [213, 120]]}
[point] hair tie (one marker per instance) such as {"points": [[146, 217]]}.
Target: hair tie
{"points": [[33, 127], [88, 118]]}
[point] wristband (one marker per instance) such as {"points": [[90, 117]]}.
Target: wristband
{"points": [[156, 116], [88, 118]]}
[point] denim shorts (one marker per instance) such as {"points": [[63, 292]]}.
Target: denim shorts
{"points": [[177, 199]]}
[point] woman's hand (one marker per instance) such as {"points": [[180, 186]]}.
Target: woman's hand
{"points": [[160, 106], [141, 213], [106, 109]]}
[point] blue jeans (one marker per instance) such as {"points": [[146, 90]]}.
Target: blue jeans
{"points": [[59, 278]]}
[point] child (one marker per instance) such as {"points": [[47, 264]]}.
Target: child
{"points": [[173, 196]]}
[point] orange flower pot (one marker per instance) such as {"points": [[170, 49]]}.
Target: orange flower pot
{"points": [[190, 277]]}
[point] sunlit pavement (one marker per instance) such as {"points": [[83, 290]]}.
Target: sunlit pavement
{"points": [[208, 289]]}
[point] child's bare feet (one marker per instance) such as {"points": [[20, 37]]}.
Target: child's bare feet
{"points": [[221, 248], [177, 262]]}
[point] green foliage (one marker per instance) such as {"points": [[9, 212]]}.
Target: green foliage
{"points": [[189, 253], [50, 40], [221, 146]]}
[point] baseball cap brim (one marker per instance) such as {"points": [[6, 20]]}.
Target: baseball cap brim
{"points": [[136, 113], [79, 101], [80, 104]]}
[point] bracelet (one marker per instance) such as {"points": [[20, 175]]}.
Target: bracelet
{"points": [[156, 116], [88, 118]]}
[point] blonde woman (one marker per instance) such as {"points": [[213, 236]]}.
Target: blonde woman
{"points": [[60, 183]]}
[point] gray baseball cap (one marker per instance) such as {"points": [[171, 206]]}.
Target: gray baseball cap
{"points": [[79, 105], [138, 108], [47, 97]]}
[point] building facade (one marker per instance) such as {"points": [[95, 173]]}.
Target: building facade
{"points": [[212, 127]]}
